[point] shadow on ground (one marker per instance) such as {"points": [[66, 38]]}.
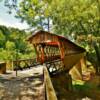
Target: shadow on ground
{"points": [[22, 88]]}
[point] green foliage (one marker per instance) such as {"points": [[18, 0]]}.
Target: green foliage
{"points": [[65, 16], [3, 54], [75, 16], [78, 16], [10, 45], [13, 44], [34, 12], [2, 39], [61, 16]]}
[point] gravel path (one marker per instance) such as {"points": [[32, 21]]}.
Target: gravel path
{"points": [[28, 85]]}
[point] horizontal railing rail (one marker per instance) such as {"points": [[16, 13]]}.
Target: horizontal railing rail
{"points": [[24, 64], [49, 90]]}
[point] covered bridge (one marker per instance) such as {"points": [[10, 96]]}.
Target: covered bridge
{"points": [[57, 52]]}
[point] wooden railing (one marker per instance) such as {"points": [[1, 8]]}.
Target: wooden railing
{"points": [[49, 90], [24, 64]]}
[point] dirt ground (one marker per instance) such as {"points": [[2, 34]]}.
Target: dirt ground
{"points": [[28, 85]]}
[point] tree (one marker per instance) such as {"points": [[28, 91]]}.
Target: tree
{"points": [[2, 39], [10, 48], [78, 16], [13, 43], [10, 45], [35, 13]]}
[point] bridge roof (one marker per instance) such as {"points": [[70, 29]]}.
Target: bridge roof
{"points": [[45, 36], [51, 39]]}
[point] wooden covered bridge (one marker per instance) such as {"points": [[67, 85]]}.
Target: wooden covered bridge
{"points": [[57, 52]]}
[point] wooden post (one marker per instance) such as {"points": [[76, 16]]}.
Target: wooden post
{"points": [[42, 54], [16, 68], [2, 67], [35, 47], [16, 73], [61, 50], [61, 53]]}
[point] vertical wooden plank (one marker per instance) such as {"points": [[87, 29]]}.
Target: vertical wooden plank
{"points": [[42, 54], [35, 47], [61, 50]]}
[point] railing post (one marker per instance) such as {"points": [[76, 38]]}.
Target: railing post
{"points": [[2, 67], [16, 73]]}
